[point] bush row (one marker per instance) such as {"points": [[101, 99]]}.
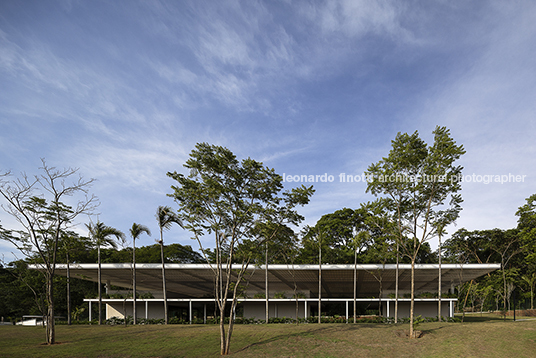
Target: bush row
{"points": [[280, 320]]}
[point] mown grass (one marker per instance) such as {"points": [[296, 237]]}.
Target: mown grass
{"points": [[477, 337]]}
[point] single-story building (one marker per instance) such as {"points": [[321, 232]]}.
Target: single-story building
{"points": [[190, 289]]}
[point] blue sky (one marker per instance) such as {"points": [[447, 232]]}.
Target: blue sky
{"points": [[124, 90]]}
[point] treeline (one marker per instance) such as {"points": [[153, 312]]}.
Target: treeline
{"points": [[348, 235], [22, 291], [514, 249]]}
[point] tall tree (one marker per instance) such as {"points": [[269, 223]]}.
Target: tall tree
{"points": [[421, 184], [102, 236], [165, 218], [38, 205], [228, 198], [135, 232]]}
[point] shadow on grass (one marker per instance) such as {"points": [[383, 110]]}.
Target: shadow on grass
{"points": [[306, 333], [310, 332]]}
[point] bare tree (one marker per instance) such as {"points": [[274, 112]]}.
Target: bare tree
{"points": [[38, 205]]}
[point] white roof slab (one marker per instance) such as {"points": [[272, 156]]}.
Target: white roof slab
{"points": [[197, 280]]}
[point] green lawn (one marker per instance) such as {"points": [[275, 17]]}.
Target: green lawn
{"points": [[478, 337]]}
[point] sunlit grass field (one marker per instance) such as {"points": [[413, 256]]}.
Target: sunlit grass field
{"points": [[487, 336]]}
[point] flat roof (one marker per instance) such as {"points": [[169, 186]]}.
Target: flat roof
{"points": [[197, 280]]}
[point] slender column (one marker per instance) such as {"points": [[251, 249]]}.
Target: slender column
{"points": [[319, 280], [205, 313], [355, 283], [146, 309], [306, 315], [439, 283], [396, 282], [134, 311], [387, 303], [190, 310], [451, 308], [89, 311], [346, 311], [266, 281]]}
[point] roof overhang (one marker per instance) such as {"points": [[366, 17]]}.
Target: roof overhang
{"points": [[197, 280]]}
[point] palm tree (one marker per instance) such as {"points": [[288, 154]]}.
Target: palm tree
{"points": [[165, 217], [135, 231], [101, 236]]}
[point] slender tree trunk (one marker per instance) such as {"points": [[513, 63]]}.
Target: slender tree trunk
{"points": [[100, 285], [465, 301], [396, 283], [134, 313], [411, 309], [68, 290], [230, 328], [505, 293], [439, 285], [50, 329], [380, 296], [223, 340], [164, 278]]}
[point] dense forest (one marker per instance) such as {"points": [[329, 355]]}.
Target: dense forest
{"points": [[22, 291]]}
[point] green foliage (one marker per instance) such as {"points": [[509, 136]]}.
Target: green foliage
{"points": [[417, 321], [338, 231], [419, 185], [235, 201], [173, 253], [22, 291]]}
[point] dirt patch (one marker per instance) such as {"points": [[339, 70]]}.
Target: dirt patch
{"points": [[405, 333]]}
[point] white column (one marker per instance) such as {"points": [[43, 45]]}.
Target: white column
{"points": [[89, 311], [451, 308], [146, 309], [346, 311], [190, 309], [387, 303], [276, 310], [205, 313], [305, 309]]}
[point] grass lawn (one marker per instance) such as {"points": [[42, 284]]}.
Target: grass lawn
{"points": [[485, 336]]}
